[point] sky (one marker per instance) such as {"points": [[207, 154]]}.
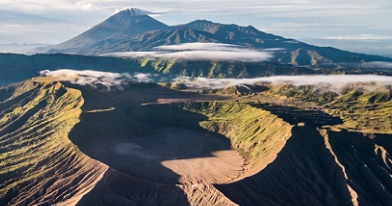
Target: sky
{"points": [[360, 25]]}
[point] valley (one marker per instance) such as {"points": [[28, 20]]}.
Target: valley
{"points": [[217, 149]]}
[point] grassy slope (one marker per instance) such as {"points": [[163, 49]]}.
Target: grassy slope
{"points": [[256, 134], [39, 164], [362, 110]]}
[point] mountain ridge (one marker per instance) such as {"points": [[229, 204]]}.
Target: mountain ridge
{"points": [[126, 20], [134, 30]]}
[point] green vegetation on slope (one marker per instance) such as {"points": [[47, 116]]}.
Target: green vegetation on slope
{"points": [[255, 133], [366, 110], [38, 163]]}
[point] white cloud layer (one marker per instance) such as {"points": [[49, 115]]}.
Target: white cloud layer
{"points": [[200, 46], [96, 79], [202, 51], [359, 37], [116, 81], [380, 64], [327, 82]]}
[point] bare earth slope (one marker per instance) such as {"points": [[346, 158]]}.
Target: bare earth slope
{"points": [[39, 164]]}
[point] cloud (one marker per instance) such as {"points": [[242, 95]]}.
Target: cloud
{"points": [[116, 81], [84, 5], [326, 82], [359, 37], [142, 77], [380, 64], [202, 51], [137, 11], [106, 80], [200, 46]]}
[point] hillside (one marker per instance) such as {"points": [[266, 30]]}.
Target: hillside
{"points": [[15, 68], [67, 144]]}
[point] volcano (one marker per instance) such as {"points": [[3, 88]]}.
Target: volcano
{"points": [[134, 30], [67, 142], [124, 24]]}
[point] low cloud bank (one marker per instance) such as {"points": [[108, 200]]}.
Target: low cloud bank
{"points": [[200, 46], [110, 81], [359, 37], [202, 51], [96, 79], [328, 82], [380, 64]]}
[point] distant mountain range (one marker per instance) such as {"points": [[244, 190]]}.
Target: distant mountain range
{"points": [[135, 30], [20, 48]]}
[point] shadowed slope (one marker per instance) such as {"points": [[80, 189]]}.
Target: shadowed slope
{"points": [[319, 167], [304, 173], [118, 188], [368, 164], [157, 151]]}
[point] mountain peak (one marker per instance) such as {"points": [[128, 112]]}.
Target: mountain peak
{"points": [[134, 12]]}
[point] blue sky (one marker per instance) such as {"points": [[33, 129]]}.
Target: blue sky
{"points": [[320, 22]]}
